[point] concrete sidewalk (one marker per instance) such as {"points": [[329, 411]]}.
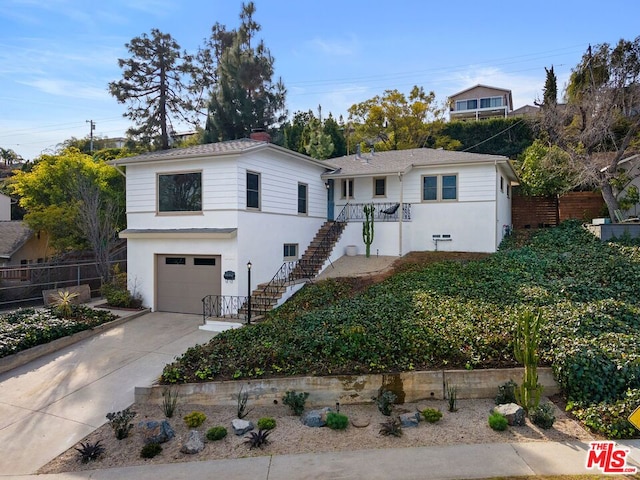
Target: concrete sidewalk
{"points": [[49, 404], [451, 462]]}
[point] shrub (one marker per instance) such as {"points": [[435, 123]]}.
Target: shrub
{"points": [[384, 402], [431, 415], [295, 401], [150, 450], [121, 422], [216, 433], [194, 419], [506, 393], [90, 451], [337, 421], [498, 422], [543, 415], [267, 423], [63, 302]]}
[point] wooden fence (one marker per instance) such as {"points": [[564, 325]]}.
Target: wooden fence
{"points": [[538, 212]]}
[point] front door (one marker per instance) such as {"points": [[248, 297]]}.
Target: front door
{"points": [[330, 201]]}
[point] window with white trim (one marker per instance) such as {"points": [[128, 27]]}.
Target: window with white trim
{"points": [[380, 187], [303, 198], [347, 188], [253, 190], [290, 251], [437, 188], [180, 192]]}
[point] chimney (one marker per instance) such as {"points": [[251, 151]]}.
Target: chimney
{"points": [[260, 135]]}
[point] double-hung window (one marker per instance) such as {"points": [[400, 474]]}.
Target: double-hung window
{"points": [[347, 188], [379, 187], [180, 192], [253, 190], [436, 188], [303, 198]]}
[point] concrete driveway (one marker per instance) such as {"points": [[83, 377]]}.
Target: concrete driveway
{"points": [[51, 403]]}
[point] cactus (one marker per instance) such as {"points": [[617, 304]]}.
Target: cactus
{"points": [[367, 228], [525, 345]]}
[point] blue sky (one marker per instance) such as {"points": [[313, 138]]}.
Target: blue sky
{"points": [[57, 56]]}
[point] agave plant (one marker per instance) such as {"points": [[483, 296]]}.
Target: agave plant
{"points": [[391, 427], [90, 451], [257, 439]]}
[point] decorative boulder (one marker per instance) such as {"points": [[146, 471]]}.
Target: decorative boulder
{"points": [[315, 418], [194, 443], [153, 431], [409, 420], [513, 412], [240, 427]]}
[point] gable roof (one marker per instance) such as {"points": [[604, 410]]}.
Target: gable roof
{"points": [[229, 147], [480, 85], [13, 235], [393, 162]]}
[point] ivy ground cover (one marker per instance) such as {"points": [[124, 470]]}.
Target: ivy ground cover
{"points": [[457, 315], [28, 327]]}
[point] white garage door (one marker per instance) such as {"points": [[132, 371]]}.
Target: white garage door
{"points": [[183, 280]]}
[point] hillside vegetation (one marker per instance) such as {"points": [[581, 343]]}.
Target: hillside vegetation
{"points": [[458, 315]]}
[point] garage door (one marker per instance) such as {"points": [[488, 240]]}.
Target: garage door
{"points": [[183, 280]]}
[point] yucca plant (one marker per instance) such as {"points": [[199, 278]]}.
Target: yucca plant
{"points": [[63, 303]]}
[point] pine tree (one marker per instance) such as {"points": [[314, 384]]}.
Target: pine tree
{"points": [[155, 86], [245, 97]]}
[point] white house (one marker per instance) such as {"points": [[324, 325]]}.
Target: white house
{"points": [[450, 200], [197, 216]]}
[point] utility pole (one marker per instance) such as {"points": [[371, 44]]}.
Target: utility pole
{"points": [[92, 125]]}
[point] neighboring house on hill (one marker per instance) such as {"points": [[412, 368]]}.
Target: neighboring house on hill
{"points": [[197, 216], [480, 102], [20, 246], [5, 208], [450, 200], [525, 111]]}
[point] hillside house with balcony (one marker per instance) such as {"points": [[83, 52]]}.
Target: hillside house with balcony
{"points": [[480, 102]]}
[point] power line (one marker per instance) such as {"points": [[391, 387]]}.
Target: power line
{"points": [[494, 136]]}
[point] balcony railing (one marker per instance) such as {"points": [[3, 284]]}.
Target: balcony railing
{"points": [[383, 212]]}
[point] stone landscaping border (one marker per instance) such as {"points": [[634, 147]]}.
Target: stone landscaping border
{"points": [[18, 359], [408, 386]]}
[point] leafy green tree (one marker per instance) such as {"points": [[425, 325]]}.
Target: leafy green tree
{"points": [[64, 194], [245, 97], [394, 122], [600, 124], [156, 86], [320, 145], [294, 131], [335, 130], [545, 170]]}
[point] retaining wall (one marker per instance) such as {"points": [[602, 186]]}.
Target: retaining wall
{"points": [[323, 391]]}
